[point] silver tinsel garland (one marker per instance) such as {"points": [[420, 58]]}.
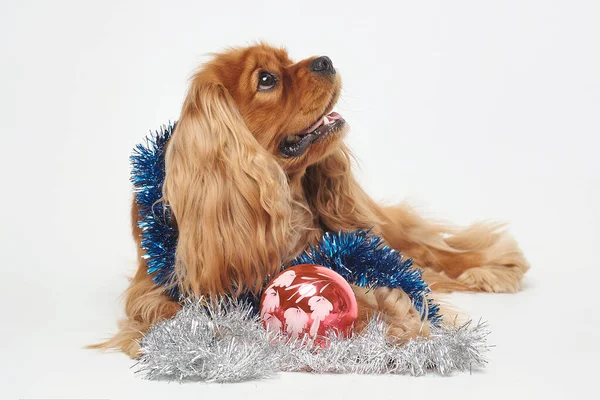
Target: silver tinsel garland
{"points": [[225, 342]]}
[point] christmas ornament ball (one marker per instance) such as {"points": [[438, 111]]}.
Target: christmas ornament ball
{"points": [[309, 300]]}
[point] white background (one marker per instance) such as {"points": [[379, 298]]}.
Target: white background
{"points": [[472, 109]]}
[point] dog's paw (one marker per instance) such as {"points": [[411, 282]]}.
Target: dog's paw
{"points": [[502, 270], [403, 320], [493, 279]]}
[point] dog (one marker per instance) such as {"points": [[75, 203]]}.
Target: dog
{"points": [[257, 170]]}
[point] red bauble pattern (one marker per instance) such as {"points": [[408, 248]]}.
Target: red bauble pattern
{"points": [[308, 300]]}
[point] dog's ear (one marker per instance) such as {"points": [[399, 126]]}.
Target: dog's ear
{"points": [[336, 197], [229, 196]]}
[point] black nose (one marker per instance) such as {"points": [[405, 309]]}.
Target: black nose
{"points": [[322, 65]]}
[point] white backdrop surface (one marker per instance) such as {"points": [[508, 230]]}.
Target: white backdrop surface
{"points": [[471, 109]]}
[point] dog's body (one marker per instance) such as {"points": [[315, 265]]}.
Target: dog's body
{"points": [[257, 170]]}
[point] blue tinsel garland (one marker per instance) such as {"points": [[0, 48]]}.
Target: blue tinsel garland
{"points": [[365, 260], [159, 236], [360, 257]]}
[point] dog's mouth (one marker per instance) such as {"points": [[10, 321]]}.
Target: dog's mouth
{"points": [[295, 145]]}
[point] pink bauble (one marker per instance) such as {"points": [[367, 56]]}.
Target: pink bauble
{"points": [[308, 300]]}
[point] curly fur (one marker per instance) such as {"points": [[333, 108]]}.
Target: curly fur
{"points": [[243, 210]]}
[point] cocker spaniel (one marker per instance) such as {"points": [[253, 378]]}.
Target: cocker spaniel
{"points": [[257, 169]]}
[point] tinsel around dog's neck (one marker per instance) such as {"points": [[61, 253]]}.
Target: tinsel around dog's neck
{"points": [[362, 258], [159, 235]]}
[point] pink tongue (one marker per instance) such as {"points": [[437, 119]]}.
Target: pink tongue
{"points": [[331, 116], [334, 116], [314, 126]]}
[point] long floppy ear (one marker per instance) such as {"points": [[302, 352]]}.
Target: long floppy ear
{"points": [[336, 197], [230, 198]]}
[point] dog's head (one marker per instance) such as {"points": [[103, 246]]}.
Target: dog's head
{"points": [[252, 121], [286, 106]]}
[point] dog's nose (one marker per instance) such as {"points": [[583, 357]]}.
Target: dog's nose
{"points": [[322, 65]]}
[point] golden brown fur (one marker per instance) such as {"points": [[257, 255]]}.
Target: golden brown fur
{"points": [[243, 210]]}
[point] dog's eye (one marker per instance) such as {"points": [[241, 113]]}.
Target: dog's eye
{"points": [[266, 81]]}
